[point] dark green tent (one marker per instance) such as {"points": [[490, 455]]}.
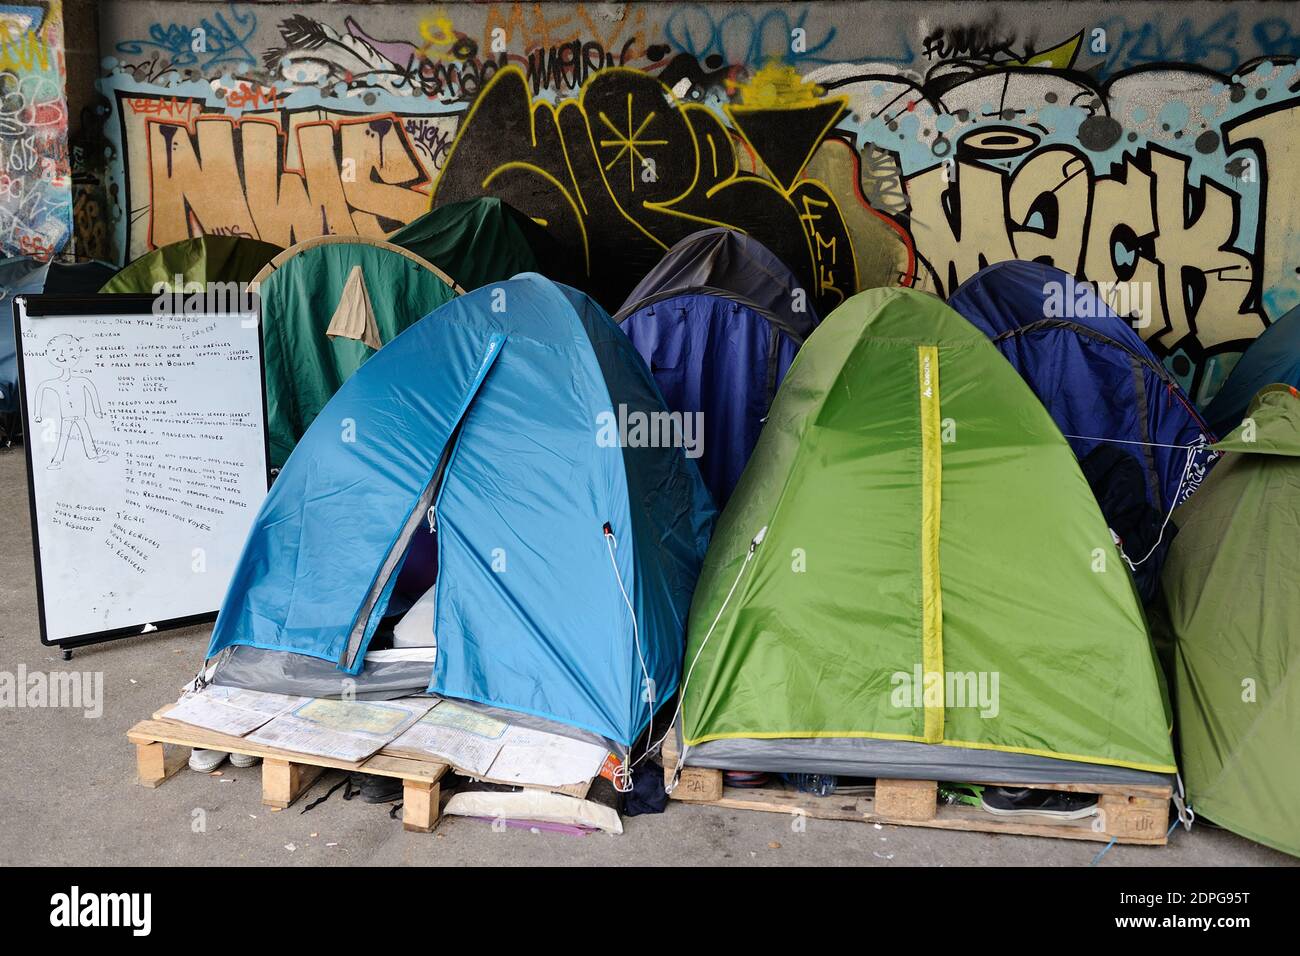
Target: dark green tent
{"points": [[1232, 591], [327, 305], [202, 259], [478, 241]]}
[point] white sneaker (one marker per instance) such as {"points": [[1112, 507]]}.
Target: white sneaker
{"points": [[243, 761], [206, 761]]}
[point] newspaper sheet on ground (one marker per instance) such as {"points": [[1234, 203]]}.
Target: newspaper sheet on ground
{"points": [[545, 760], [341, 729], [464, 738], [230, 710]]}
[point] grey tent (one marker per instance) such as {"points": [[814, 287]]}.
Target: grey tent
{"points": [[728, 263]]}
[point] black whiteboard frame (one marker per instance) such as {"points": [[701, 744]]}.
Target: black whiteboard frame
{"points": [[45, 306]]}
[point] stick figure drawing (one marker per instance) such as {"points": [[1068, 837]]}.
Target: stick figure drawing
{"points": [[72, 394]]}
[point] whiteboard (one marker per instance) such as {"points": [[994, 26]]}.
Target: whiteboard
{"points": [[146, 459]]}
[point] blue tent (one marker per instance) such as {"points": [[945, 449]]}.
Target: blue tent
{"points": [[719, 320], [566, 559], [1272, 358], [1121, 410], [24, 275]]}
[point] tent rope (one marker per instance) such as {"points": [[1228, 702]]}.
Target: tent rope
{"points": [[623, 774], [1186, 815], [1192, 449], [1128, 441], [1106, 849], [681, 698], [1178, 495]]}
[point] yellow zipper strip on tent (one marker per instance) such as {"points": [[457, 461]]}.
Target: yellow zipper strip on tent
{"points": [[931, 588]]}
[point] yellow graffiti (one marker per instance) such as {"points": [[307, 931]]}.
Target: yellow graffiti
{"points": [[777, 85], [881, 247], [1059, 57], [669, 167], [25, 51], [437, 35]]}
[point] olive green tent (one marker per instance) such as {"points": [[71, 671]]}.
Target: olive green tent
{"points": [[327, 305], [477, 241], [202, 260], [1232, 602], [913, 578]]}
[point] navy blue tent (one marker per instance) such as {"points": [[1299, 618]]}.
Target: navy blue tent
{"points": [[1273, 358], [565, 558], [719, 320], [24, 275], [1125, 416]]}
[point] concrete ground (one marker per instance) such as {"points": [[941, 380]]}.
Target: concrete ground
{"points": [[68, 793]]}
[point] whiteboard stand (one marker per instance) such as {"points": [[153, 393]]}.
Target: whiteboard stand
{"points": [[147, 458]]}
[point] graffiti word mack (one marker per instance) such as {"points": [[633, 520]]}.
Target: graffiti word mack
{"points": [[1142, 224]]}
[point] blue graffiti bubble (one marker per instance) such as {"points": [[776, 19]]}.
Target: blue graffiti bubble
{"points": [[1174, 116]]}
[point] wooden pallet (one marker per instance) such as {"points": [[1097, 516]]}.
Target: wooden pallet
{"points": [[286, 775], [1127, 813]]}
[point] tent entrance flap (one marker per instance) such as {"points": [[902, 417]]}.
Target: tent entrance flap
{"points": [[372, 609]]}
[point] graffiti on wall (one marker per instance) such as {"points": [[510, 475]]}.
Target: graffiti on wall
{"points": [[624, 167], [1158, 177], [35, 179], [280, 175], [215, 41], [1120, 150]]}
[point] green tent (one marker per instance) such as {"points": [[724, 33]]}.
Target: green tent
{"points": [[204, 259], [933, 591], [327, 305], [478, 241], [1232, 603]]}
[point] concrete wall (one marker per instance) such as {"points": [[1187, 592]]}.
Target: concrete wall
{"points": [[1151, 144]]}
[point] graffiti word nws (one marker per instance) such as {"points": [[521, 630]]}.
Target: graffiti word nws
{"points": [[357, 176]]}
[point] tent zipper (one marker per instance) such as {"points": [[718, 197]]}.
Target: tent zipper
{"points": [[425, 508]]}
